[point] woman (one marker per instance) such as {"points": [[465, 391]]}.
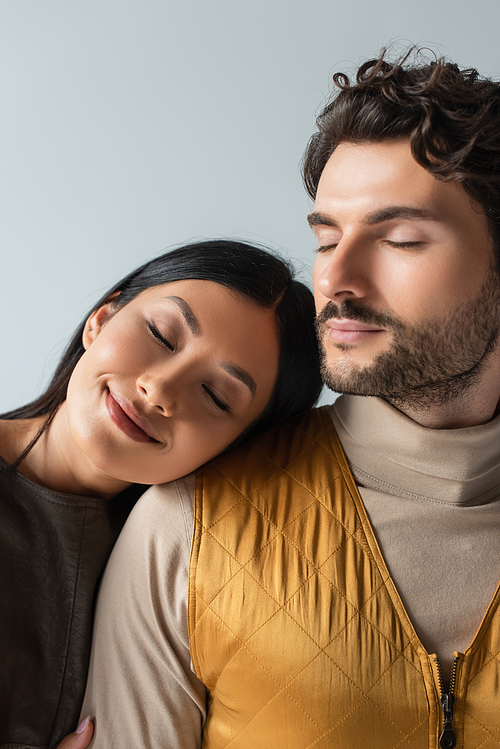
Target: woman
{"points": [[196, 349]]}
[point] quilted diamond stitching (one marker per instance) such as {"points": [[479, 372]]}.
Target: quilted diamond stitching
{"points": [[282, 688], [314, 500], [489, 736], [300, 552], [493, 656], [276, 476], [307, 634], [349, 537], [267, 458]]}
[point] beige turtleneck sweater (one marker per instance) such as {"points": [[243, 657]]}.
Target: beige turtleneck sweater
{"points": [[433, 497]]}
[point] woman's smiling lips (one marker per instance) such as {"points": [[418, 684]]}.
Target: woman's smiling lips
{"points": [[126, 418], [351, 331]]}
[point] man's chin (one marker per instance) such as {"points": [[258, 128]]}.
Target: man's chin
{"points": [[352, 389], [349, 380], [383, 377]]}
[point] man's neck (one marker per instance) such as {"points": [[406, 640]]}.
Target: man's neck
{"points": [[476, 405], [448, 416]]}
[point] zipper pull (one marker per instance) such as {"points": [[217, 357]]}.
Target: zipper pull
{"points": [[447, 740]]}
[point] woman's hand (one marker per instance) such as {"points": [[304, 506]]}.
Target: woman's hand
{"points": [[80, 738]]}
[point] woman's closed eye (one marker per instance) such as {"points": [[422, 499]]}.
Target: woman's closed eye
{"points": [[156, 333], [220, 404]]}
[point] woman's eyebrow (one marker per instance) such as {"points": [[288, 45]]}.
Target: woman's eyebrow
{"points": [[240, 374], [187, 313]]}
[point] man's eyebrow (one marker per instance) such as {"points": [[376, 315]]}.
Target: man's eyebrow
{"points": [[187, 313], [241, 375], [320, 219], [316, 218], [401, 211]]}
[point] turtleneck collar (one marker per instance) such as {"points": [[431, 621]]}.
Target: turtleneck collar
{"points": [[389, 452]]}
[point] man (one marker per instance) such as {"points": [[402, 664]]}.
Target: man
{"points": [[347, 601]]}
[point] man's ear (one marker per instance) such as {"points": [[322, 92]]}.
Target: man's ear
{"points": [[97, 319]]}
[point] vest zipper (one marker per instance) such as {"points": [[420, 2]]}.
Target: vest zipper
{"points": [[447, 739]]}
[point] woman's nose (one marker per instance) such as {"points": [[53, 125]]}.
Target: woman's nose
{"points": [[160, 393]]}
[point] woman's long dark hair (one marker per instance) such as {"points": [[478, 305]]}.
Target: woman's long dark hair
{"points": [[251, 271]]}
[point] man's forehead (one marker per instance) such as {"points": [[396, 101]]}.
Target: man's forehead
{"points": [[355, 167], [381, 182]]}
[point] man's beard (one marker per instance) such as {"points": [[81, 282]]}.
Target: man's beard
{"points": [[434, 362]]}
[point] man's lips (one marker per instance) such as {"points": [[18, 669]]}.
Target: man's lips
{"points": [[126, 418], [351, 330]]}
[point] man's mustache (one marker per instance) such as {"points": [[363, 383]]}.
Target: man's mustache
{"points": [[352, 309]]}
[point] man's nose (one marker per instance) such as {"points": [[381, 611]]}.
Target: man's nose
{"points": [[343, 272]]}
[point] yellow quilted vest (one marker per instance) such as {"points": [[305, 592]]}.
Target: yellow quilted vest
{"points": [[295, 625]]}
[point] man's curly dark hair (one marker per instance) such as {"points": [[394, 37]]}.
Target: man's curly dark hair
{"points": [[450, 115]]}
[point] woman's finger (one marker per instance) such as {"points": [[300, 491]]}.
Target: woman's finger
{"points": [[80, 738]]}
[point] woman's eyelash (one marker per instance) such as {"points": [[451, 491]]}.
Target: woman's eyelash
{"points": [[154, 330], [220, 404]]}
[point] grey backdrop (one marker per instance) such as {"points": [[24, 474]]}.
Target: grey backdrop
{"points": [[129, 126]]}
